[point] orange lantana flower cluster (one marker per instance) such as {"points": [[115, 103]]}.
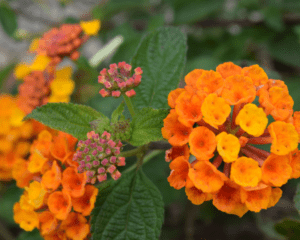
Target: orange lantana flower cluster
{"points": [[216, 128], [57, 199]]}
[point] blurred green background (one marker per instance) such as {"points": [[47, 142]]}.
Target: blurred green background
{"points": [[246, 32]]}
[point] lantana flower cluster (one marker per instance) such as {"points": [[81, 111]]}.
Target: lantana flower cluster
{"points": [[216, 126], [64, 41], [117, 80], [43, 82], [98, 156], [57, 199]]}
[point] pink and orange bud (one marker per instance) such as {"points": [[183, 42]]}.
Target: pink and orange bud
{"points": [[118, 79]]}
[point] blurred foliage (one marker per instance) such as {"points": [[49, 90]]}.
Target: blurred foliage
{"points": [[245, 32]]}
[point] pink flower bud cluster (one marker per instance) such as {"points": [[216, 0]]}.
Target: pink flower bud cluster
{"points": [[117, 80], [99, 156]]}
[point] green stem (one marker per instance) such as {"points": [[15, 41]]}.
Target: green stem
{"points": [[144, 160], [133, 152], [129, 105]]}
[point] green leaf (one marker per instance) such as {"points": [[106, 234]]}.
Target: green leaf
{"points": [[197, 10], [297, 198], [130, 208], [71, 118], [34, 235], [7, 201], [117, 113], [146, 126], [289, 228], [8, 19], [162, 56], [273, 17]]}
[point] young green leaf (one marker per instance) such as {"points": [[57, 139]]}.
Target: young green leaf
{"points": [[146, 126], [162, 56], [130, 208], [8, 19], [71, 118], [117, 113]]}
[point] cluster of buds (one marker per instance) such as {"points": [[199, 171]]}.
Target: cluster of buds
{"points": [[34, 91], [117, 80], [121, 129], [60, 42], [99, 156]]}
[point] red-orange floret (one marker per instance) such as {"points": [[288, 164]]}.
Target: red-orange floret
{"points": [[228, 69], [256, 200], [206, 177], [195, 195], [188, 108], [180, 169], [238, 89], [59, 204], [276, 170], [228, 199], [191, 79], [295, 163], [85, 203], [52, 178], [210, 82], [73, 182], [48, 222], [173, 95], [180, 151], [176, 133], [76, 226], [202, 143], [257, 74]]}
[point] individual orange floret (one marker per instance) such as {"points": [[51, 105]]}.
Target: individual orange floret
{"points": [[202, 143], [228, 199], [275, 196], [228, 146], [76, 226], [59, 204], [210, 82], [252, 120], [256, 200], [228, 69], [21, 174], [180, 169], [36, 162], [48, 222], [173, 95], [257, 74], [296, 121], [195, 195], [188, 108], [36, 194], [73, 182], [176, 133], [276, 170], [245, 172], [295, 163], [58, 234], [42, 144], [284, 137], [191, 79], [277, 102], [238, 89], [215, 110], [85, 203], [278, 83], [180, 151], [206, 177], [28, 220], [62, 146], [52, 178]]}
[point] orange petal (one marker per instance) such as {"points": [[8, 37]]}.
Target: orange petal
{"points": [[76, 226], [73, 182], [180, 169], [210, 82], [228, 69], [173, 95], [59, 204], [52, 178], [202, 143], [257, 199]]}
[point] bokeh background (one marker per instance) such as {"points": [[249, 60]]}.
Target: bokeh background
{"points": [[246, 32]]}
